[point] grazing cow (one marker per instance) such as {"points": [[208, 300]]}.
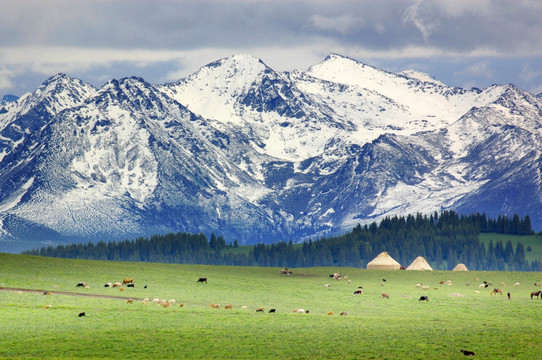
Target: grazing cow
{"points": [[535, 293], [127, 281], [331, 313], [344, 313], [244, 307], [385, 295], [424, 298], [108, 285], [272, 311], [496, 291], [214, 306], [260, 309], [516, 284], [81, 314], [130, 301], [285, 271], [131, 285], [48, 306], [202, 280], [117, 284], [468, 353], [358, 292], [81, 284], [47, 293], [228, 306]]}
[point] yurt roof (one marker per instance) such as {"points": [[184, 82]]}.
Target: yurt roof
{"points": [[383, 261], [460, 267], [419, 264]]}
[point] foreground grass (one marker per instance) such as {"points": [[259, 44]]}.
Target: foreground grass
{"points": [[376, 328]]}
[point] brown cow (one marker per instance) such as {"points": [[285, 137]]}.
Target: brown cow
{"points": [[128, 280]]}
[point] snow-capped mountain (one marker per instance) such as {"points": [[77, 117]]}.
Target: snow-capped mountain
{"points": [[257, 155]]}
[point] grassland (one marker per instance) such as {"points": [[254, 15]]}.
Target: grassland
{"points": [[532, 241], [400, 327]]}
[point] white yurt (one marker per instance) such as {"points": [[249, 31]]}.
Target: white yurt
{"points": [[383, 262], [460, 267], [419, 264]]}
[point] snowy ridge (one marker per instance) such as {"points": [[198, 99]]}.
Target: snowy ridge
{"points": [[239, 149]]}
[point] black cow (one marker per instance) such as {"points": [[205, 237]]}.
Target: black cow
{"points": [[202, 280], [468, 352], [424, 298], [358, 292], [131, 285], [81, 314], [81, 284], [272, 311]]}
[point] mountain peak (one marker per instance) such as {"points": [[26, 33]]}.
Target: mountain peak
{"points": [[418, 75]]}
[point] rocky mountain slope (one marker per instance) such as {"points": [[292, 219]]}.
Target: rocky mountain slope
{"points": [[257, 155]]}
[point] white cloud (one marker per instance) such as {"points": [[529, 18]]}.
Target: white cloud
{"points": [[528, 74], [343, 24], [5, 77], [478, 69], [425, 24]]}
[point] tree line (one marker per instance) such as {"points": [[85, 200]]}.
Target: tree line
{"points": [[444, 240]]}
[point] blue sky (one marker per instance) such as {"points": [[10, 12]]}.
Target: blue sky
{"points": [[474, 43]]}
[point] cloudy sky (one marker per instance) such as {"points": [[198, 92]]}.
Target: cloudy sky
{"points": [[466, 43]]}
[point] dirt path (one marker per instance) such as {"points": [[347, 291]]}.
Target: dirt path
{"points": [[69, 293]]}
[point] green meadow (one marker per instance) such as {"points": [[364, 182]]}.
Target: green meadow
{"points": [[401, 327]]}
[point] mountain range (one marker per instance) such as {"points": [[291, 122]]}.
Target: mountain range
{"points": [[258, 155]]}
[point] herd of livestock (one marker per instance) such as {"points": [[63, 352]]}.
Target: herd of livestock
{"points": [[129, 282]]}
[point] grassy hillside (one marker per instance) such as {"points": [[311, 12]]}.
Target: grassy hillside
{"points": [[376, 328], [534, 241]]}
